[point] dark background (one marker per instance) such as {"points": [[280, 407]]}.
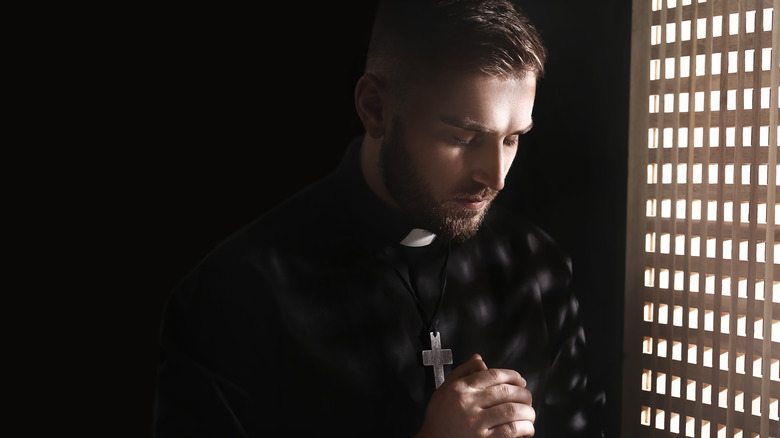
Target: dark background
{"points": [[197, 120]]}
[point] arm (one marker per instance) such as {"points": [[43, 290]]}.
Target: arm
{"points": [[570, 406], [193, 401], [202, 388]]}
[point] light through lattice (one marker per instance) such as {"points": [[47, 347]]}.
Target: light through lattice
{"points": [[702, 279]]}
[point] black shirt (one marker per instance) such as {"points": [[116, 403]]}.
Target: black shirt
{"points": [[299, 323]]}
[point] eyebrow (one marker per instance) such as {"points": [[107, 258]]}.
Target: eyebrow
{"points": [[469, 124]]}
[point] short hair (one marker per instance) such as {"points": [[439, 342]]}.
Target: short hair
{"points": [[494, 37]]}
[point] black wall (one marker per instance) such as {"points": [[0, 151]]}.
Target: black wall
{"points": [[219, 114]]}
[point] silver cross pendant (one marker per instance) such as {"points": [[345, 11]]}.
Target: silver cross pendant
{"points": [[437, 358]]}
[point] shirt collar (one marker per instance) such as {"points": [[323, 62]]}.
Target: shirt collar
{"points": [[418, 237]]}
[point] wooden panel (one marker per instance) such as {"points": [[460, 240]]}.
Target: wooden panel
{"points": [[702, 330]]}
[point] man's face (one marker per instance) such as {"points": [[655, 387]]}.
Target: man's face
{"points": [[448, 151]]}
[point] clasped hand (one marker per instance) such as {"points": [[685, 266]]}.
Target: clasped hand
{"points": [[475, 401]]}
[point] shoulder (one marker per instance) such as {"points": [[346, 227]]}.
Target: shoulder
{"points": [[519, 255], [505, 227], [537, 264], [255, 256]]}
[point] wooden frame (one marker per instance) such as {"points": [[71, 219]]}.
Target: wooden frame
{"points": [[702, 300]]}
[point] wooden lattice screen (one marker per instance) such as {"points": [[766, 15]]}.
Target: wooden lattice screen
{"points": [[702, 315]]}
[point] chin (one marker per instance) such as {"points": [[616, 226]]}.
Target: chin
{"points": [[461, 229]]}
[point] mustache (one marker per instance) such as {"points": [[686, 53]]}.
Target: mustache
{"points": [[472, 193]]}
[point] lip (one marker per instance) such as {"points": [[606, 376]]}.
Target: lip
{"points": [[472, 203]]}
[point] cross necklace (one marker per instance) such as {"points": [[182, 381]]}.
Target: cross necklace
{"points": [[436, 357]]}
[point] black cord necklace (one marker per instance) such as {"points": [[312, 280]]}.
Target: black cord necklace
{"points": [[436, 357]]}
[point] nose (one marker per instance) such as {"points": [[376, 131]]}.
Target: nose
{"points": [[490, 163]]}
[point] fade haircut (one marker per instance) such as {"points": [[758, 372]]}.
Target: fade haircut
{"points": [[414, 37]]}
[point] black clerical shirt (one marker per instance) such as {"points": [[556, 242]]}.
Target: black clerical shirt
{"points": [[299, 324]]}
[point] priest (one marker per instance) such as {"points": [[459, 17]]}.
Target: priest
{"points": [[393, 298]]}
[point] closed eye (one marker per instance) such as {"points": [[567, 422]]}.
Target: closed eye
{"points": [[462, 140]]}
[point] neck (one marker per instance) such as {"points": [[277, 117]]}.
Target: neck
{"points": [[372, 173]]}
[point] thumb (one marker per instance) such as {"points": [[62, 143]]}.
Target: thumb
{"points": [[473, 365]]}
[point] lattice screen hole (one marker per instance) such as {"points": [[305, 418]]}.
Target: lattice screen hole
{"points": [[663, 278], [647, 345], [692, 353], [723, 397], [660, 383], [652, 136], [690, 393], [651, 208], [660, 417], [661, 347], [693, 286], [645, 416], [675, 386], [649, 277], [674, 422], [647, 376], [696, 215]]}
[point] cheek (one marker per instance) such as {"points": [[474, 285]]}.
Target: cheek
{"points": [[447, 169]]}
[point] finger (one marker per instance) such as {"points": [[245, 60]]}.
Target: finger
{"points": [[475, 364], [495, 376], [513, 429], [504, 393], [506, 413]]}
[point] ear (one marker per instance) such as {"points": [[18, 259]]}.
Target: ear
{"points": [[371, 104]]}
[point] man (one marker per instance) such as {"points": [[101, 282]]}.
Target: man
{"points": [[390, 298]]}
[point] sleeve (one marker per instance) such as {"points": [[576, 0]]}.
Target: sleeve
{"points": [[193, 401], [569, 407], [212, 357]]}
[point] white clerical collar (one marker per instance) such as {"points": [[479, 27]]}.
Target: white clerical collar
{"points": [[418, 237]]}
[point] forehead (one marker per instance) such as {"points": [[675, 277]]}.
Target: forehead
{"points": [[500, 103]]}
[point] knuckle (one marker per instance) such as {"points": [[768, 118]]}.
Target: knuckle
{"points": [[511, 411], [458, 386], [520, 428], [503, 392], [471, 424], [463, 404], [509, 430]]}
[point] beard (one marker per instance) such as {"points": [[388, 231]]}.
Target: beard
{"points": [[412, 192]]}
